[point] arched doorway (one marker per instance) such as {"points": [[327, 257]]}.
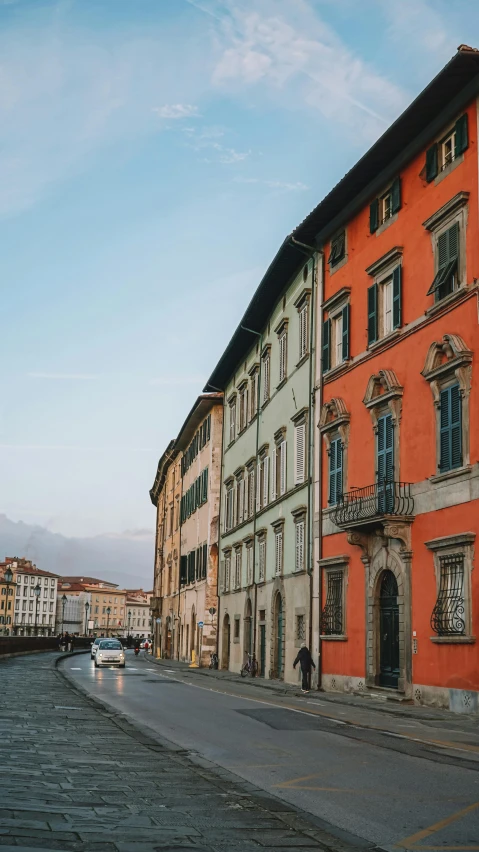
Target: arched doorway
{"points": [[248, 629], [388, 630], [278, 637], [225, 646]]}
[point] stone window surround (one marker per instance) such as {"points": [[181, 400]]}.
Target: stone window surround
{"points": [[445, 546], [455, 210], [278, 527], [344, 260], [330, 565], [457, 367], [379, 271], [331, 309], [390, 401], [300, 513], [236, 629], [301, 610], [338, 424]]}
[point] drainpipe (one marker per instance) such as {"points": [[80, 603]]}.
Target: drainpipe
{"points": [[258, 400], [311, 251]]}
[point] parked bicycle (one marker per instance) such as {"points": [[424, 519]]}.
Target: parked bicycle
{"points": [[250, 667], [213, 661]]}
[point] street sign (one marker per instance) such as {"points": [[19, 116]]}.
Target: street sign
{"points": [[212, 610], [200, 624]]}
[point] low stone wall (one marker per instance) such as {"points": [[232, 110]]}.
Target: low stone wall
{"points": [[10, 645]]}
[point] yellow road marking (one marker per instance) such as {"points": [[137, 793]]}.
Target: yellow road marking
{"points": [[414, 839]]}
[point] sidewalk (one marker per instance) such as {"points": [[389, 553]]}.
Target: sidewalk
{"points": [[79, 777], [377, 712]]}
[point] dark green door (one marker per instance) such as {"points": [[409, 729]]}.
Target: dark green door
{"points": [[262, 649], [385, 464], [279, 639], [389, 631]]}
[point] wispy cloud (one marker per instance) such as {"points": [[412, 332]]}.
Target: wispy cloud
{"points": [[64, 376], [273, 184], [205, 140], [176, 111], [418, 24]]}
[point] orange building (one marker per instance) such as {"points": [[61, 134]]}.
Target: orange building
{"points": [[399, 418]]}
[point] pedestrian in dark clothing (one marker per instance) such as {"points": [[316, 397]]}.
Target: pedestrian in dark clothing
{"points": [[305, 661]]}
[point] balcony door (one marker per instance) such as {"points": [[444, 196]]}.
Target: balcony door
{"points": [[389, 631], [385, 464]]}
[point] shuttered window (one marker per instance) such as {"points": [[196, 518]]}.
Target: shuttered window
{"points": [[450, 429], [232, 420], [303, 330], [335, 470], [282, 467], [205, 562], [441, 154], [227, 572], [299, 453], [251, 492], [266, 376], [249, 564], [253, 395], [299, 545], [447, 257], [397, 297], [338, 248], [385, 462], [283, 355], [237, 577], [372, 314], [278, 551], [326, 345], [262, 559], [265, 472]]}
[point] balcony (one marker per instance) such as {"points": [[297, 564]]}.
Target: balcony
{"points": [[365, 507]]}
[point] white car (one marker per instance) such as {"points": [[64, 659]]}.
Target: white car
{"points": [[110, 653], [94, 647]]}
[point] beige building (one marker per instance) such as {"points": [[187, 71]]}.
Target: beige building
{"points": [[35, 598], [199, 443], [166, 496], [108, 609], [138, 617]]}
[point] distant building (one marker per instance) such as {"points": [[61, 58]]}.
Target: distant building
{"points": [[138, 615], [35, 598], [73, 608]]}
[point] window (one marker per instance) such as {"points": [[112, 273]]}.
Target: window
{"points": [[239, 499], [262, 558], [440, 155], [232, 411], [448, 614], [279, 466], [237, 576], [227, 572], [283, 355], [253, 395], [446, 279], [171, 519], [303, 329], [278, 550], [299, 453], [249, 563], [332, 614], [384, 305], [243, 407], [266, 375], [338, 249], [336, 338], [335, 471], [236, 631], [299, 528], [300, 628], [249, 497], [450, 414], [384, 207]]}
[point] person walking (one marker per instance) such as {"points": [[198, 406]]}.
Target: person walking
{"points": [[305, 661]]}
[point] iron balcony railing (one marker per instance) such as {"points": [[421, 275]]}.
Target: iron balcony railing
{"points": [[363, 504]]}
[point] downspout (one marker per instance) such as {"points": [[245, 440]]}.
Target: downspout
{"points": [[311, 251], [258, 399]]}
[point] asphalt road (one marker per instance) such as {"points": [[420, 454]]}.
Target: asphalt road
{"points": [[387, 789]]}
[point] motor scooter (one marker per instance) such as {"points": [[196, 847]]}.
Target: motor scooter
{"points": [[137, 651]]}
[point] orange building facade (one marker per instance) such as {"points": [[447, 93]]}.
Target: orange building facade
{"points": [[398, 583]]}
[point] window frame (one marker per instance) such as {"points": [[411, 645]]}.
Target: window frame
{"points": [[453, 545], [278, 530], [329, 567], [453, 213], [338, 305]]}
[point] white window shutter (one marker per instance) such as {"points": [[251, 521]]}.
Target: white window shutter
{"points": [[265, 481], [258, 486], [299, 453], [273, 480], [282, 468], [241, 500], [299, 546]]}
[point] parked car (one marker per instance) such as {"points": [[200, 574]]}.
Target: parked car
{"points": [[94, 647], [110, 652]]}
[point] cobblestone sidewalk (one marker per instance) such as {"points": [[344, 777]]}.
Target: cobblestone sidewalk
{"points": [[79, 778]]}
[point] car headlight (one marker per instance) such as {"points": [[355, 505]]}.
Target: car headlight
{"points": [[100, 655]]}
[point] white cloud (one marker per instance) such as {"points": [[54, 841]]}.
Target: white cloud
{"points": [[273, 184], [175, 111], [63, 376], [287, 47], [417, 24]]}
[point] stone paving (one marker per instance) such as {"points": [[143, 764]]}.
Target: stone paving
{"points": [[77, 777]]}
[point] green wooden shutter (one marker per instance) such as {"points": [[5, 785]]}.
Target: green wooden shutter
{"points": [[374, 215], [431, 163], [462, 136], [345, 352], [205, 560], [372, 313], [396, 195], [335, 471], [326, 345], [397, 297], [450, 429], [385, 462]]}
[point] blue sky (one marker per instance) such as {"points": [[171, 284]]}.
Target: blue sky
{"points": [[153, 155]]}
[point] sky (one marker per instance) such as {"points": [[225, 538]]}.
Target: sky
{"points": [[153, 156]]}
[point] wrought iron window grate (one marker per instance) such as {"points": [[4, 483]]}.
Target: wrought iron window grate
{"points": [[332, 614], [448, 615]]}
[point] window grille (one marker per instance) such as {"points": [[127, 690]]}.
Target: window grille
{"points": [[300, 628], [448, 615], [332, 614]]}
